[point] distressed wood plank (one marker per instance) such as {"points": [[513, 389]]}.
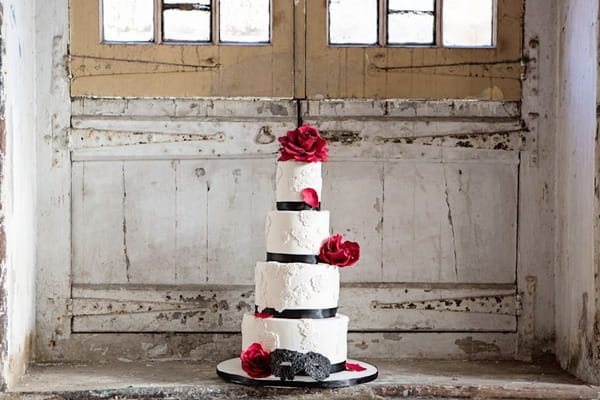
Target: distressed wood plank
{"points": [[219, 308], [450, 222], [241, 194], [191, 230], [98, 223], [85, 107], [220, 346], [353, 194], [150, 220], [353, 108]]}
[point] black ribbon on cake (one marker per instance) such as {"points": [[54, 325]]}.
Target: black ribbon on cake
{"points": [[296, 206], [293, 258], [300, 313]]}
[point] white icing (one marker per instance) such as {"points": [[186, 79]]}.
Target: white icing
{"points": [[296, 285], [294, 176], [326, 336], [296, 232]]}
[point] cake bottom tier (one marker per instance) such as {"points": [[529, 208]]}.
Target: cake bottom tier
{"points": [[326, 336]]}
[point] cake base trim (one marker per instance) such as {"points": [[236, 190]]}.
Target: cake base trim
{"points": [[292, 258], [317, 313], [231, 371]]}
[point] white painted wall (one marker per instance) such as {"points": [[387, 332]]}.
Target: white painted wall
{"points": [[575, 150], [18, 191], [537, 200]]}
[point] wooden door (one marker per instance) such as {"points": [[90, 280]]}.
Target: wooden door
{"points": [[169, 198]]}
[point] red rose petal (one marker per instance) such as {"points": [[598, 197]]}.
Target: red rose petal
{"points": [[355, 367], [310, 197], [263, 315]]}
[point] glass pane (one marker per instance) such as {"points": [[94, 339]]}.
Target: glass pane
{"points": [[353, 22], [201, 2], [245, 21], [411, 22], [467, 23], [415, 5], [186, 25], [128, 21]]}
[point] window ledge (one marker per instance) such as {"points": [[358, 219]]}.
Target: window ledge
{"points": [[397, 378]]}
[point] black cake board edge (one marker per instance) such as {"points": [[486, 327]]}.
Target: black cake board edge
{"points": [[231, 371]]}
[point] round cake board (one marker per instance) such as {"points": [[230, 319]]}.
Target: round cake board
{"points": [[231, 371]]}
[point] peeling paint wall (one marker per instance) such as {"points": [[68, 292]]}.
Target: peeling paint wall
{"points": [[18, 183], [537, 199], [576, 144]]}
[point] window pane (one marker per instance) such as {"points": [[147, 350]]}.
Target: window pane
{"points": [[467, 23], [128, 21], [411, 22], [186, 25], [416, 5], [353, 21], [201, 2], [245, 21]]}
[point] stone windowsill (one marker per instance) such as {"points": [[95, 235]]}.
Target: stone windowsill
{"points": [[397, 378]]}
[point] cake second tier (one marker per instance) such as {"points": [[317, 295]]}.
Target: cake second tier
{"points": [[296, 286], [296, 232]]}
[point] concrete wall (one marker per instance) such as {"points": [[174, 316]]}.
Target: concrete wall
{"points": [[575, 152], [18, 183]]}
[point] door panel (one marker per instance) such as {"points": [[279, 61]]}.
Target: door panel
{"points": [[414, 72]]}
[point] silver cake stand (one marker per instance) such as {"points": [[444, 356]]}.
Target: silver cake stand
{"points": [[231, 371]]}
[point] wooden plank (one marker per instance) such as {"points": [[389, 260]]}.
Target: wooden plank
{"points": [[450, 222], [149, 221], [353, 193], [191, 228], [98, 223], [411, 108], [241, 193], [230, 109], [220, 346], [383, 307]]}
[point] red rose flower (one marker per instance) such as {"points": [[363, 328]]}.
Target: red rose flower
{"points": [[335, 252], [303, 144], [355, 367], [256, 361], [310, 197]]}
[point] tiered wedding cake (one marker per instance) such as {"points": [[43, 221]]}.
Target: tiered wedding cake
{"points": [[296, 334]]}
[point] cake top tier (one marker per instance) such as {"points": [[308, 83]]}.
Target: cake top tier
{"points": [[304, 144]]}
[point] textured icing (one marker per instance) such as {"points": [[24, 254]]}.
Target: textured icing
{"points": [[294, 176], [296, 232], [326, 336], [296, 285]]}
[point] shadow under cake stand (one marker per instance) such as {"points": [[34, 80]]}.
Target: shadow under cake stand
{"points": [[231, 371]]}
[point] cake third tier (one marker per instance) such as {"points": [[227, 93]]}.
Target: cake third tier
{"points": [[297, 288]]}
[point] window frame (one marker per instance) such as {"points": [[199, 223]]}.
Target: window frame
{"points": [[158, 27], [382, 30]]}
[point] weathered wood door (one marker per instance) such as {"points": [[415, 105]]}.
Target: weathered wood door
{"points": [[169, 198]]}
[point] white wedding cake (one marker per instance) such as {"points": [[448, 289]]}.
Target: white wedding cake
{"points": [[295, 329]]}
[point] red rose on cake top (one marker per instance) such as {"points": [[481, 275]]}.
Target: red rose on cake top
{"points": [[303, 144]]}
